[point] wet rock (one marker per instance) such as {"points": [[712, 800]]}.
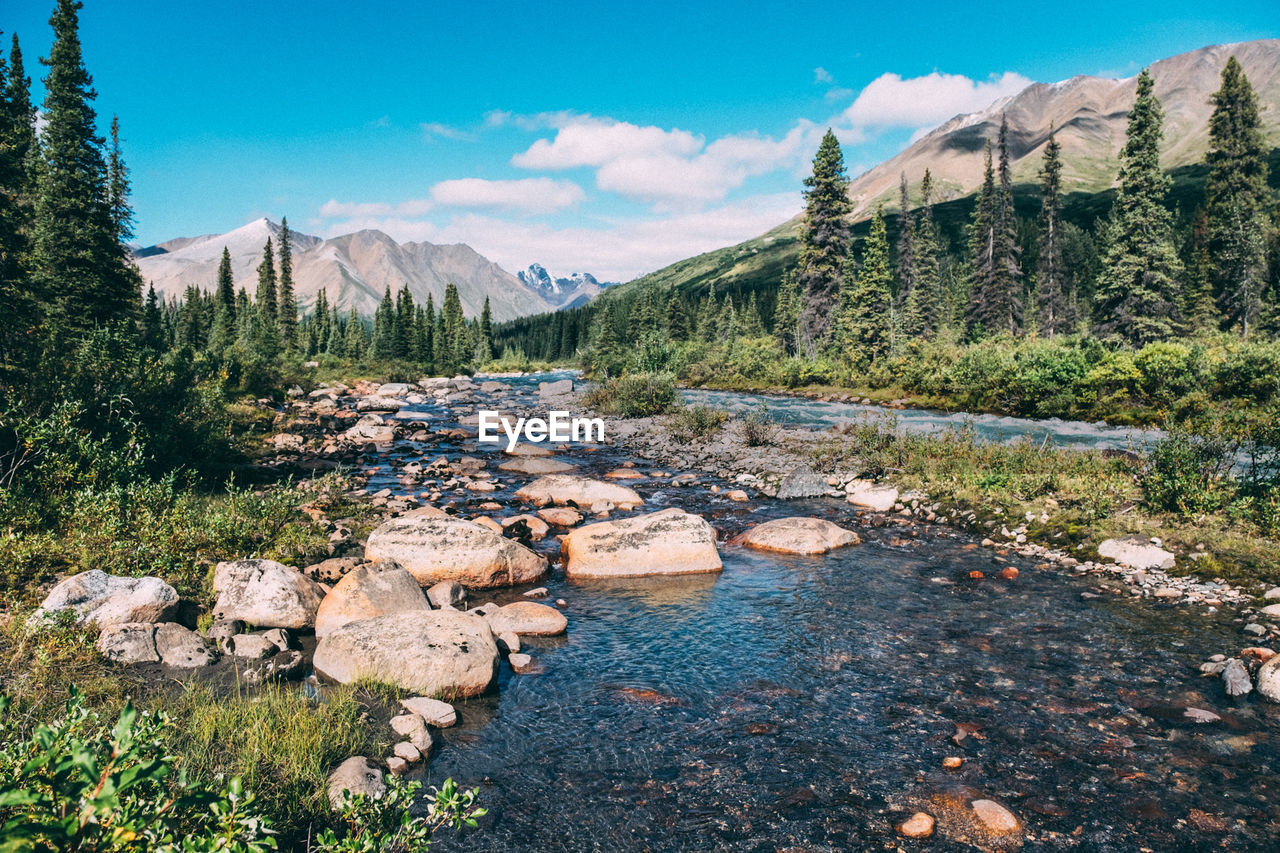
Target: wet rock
{"points": [[738, 496], [1267, 681], [670, 542], [1272, 611], [868, 495], [801, 482], [447, 594], [265, 593], [1200, 715], [994, 817], [560, 516], [432, 652], [521, 664], [407, 752], [370, 433], [392, 389], [379, 404], [535, 465], [555, 389], [798, 535], [414, 729], [527, 449], [373, 589], [1235, 679], [129, 642], [508, 642], [624, 474], [433, 711], [537, 528], [952, 762], [563, 489], [441, 548], [355, 776], [528, 618], [98, 598], [919, 825], [1137, 553], [540, 592]]}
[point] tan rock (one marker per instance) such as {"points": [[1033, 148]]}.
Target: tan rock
{"points": [[995, 818], [538, 528], [373, 589], [563, 489], [560, 516], [919, 825], [266, 594], [670, 542], [798, 535], [625, 474], [524, 448], [437, 548], [486, 521], [535, 465], [528, 618]]}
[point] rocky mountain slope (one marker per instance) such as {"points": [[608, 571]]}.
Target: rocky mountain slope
{"points": [[570, 292], [354, 269]]}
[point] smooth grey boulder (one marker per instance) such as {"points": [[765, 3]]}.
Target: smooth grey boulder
{"points": [[433, 652], [355, 776], [1267, 681], [798, 535], [372, 589], [129, 642], [555, 389], [1137, 553], [266, 594], [801, 482], [181, 647], [251, 646], [527, 618], [98, 598]]}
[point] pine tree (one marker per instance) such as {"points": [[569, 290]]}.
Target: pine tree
{"points": [[1137, 286], [405, 333], [20, 307], [605, 344], [751, 324], [383, 344], [906, 248], [824, 241], [266, 330], [458, 347], [865, 321], [921, 311], [286, 302], [427, 346], [152, 322], [1198, 305], [357, 340], [786, 314], [79, 256], [118, 186], [1236, 199], [982, 246], [485, 348], [996, 298], [1051, 296]]}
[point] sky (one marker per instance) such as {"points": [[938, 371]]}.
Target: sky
{"points": [[586, 136]]}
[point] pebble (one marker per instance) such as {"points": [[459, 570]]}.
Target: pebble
{"points": [[520, 663], [919, 825], [995, 817], [1235, 678], [952, 762]]}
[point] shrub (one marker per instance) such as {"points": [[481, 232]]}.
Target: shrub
{"points": [[1188, 474], [758, 427], [635, 395], [1252, 372], [696, 422], [387, 824]]}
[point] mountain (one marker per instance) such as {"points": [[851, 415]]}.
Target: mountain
{"points": [[355, 269], [1089, 115], [562, 293]]}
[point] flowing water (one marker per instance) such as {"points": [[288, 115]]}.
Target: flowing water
{"points": [[806, 703]]}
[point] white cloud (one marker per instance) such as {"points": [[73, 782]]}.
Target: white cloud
{"points": [[432, 130], [916, 102], [526, 196], [618, 252], [668, 168], [822, 76]]}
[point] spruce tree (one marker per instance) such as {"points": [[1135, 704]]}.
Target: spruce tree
{"points": [[1236, 199], [405, 334], [458, 346], [1136, 291], [751, 324], [921, 312], [286, 301], [906, 242], [865, 322], [605, 344], [152, 322], [786, 314], [1006, 310], [20, 307], [79, 256], [982, 247], [485, 348], [266, 331], [383, 343], [1051, 296], [357, 339], [427, 345], [1198, 304], [824, 241]]}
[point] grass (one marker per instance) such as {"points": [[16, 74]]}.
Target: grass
{"points": [[635, 395], [697, 422]]}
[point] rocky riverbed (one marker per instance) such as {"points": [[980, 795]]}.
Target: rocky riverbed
{"points": [[671, 644]]}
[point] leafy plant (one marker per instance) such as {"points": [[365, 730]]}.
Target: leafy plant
{"points": [[696, 422], [758, 427], [387, 824], [635, 395]]}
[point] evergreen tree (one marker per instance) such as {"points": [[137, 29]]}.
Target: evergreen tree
{"points": [[383, 343], [982, 246], [224, 307], [786, 314], [357, 340], [152, 322], [427, 346], [996, 299], [1136, 288], [118, 187], [286, 302], [569, 337], [406, 317], [1051, 296], [824, 241], [921, 313], [865, 321], [1236, 199], [79, 256], [266, 330], [906, 242], [458, 346], [17, 140], [1198, 305], [750, 323], [606, 348], [484, 349]]}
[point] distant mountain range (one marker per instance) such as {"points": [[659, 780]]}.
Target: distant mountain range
{"points": [[577, 289], [355, 269]]}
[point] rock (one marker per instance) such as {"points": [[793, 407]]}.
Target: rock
{"points": [[397, 766], [555, 389], [373, 589], [952, 762], [414, 729], [1137, 553], [539, 592], [447, 594], [995, 818], [289, 665], [919, 825], [670, 542], [1271, 610], [527, 449], [280, 637], [738, 495], [1272, 594], [433, 711], [560, 516], [1200, 715], [535, 465], [379, 404], [488, 523], [1167, 593], [266, 594], [868, 495], [432, 652], [508, 643], [355, 776], [392, 389], [624, 474], [369, 433], [98, 598], [129, 642], [520, 663], [563, 489], [1267, 681], [251, 646], [801, 482], [442, 548], [407, 752], [181, 648], [224, 629], [798, 535], [331, 570], [528, 618]]}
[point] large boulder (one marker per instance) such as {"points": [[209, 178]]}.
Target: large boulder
{"points": [[802, 482], [392, 389], [379, 404], [437, 548], [266, 594], [670, 542], [181, 647], [357, 775], [373, 589], [1137, 553], [583, 492], [798, 535], [868, 495], [555, 389], [1268, 680], [432, 652], [129, 642], [98, 598], [370, 432], [527, 618], [535, 465]]}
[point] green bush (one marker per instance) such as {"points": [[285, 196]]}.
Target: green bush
{"points": [[1188, 474], [1252, 373], [636, 395], [388, 824], [696, 423], [77, 784], [758, 427]]}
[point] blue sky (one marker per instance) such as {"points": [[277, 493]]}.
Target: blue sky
{"points": [[593, 137]]}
